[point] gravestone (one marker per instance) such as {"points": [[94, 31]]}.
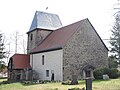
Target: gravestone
{"points": [[74, 80], [105, 77]]}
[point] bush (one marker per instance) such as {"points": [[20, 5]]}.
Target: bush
{"points": [[27, 82], [98, 73], [118, 73], [112, 73]]}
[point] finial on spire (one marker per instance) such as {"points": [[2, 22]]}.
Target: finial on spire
{"points": [[46, 8]]}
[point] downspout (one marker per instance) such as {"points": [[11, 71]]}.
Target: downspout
{"points": [[32, 67]]}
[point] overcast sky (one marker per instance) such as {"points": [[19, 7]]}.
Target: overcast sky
{"points": [[17, 15]]}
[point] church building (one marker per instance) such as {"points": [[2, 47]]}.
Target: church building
{"points": [[64, 52], [59, 53]]}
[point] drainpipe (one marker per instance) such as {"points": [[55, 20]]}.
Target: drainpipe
{"points": [[32, 67]]}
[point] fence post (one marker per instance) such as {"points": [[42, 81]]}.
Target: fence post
{"points": [[88, 83]]}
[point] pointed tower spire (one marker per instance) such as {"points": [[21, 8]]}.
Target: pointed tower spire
{"points": [[43, 20]]}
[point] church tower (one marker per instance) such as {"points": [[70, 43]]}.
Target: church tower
{"points": [[42, 25]]}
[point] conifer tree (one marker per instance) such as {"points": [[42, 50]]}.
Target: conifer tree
{"points": [[2, 53], [115, 38]]}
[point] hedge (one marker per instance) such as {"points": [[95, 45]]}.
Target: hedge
{"points": [[112, 73]]}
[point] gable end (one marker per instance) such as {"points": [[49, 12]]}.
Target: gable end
{"points": [[98, 35]]}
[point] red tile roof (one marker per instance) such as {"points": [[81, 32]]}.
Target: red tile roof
{"points": [[21, 61], [58, 38]]}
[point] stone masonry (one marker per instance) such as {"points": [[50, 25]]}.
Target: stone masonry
{"points": [[84, 48], [37, 37]]}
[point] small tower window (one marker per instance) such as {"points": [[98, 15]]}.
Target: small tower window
{"points": [[31, 37], [43, 60]]}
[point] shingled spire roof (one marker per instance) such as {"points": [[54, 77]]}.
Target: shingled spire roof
{"points": [[45, 20]]}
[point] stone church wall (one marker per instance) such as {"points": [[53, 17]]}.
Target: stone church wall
{"points": [[83, 48]]}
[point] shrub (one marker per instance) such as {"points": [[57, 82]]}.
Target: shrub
{"points": [[26, 82], [118, 73], [98, 73], [112, 73]]}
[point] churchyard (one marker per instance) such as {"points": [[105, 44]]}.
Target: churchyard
{"points": [[111, 84]]}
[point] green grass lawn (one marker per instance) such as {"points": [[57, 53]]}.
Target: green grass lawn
{"points": [[113, 84]]}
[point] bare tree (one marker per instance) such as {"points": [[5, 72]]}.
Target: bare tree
{"points": [[8, 51], [19, 42], [14, 39], [23, 44]]}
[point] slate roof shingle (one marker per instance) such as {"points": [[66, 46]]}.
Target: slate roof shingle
{"points": [[45, 20]]}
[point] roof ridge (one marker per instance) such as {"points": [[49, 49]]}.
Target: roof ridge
{"points": [[71, 24], [55, 39]]}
